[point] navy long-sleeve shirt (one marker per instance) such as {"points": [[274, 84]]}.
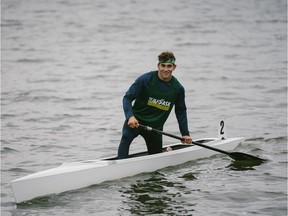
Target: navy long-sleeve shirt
{"points": [[141, 84]]}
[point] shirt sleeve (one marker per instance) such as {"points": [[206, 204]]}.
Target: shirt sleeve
{"points": [[181, 113], [140, 84]]}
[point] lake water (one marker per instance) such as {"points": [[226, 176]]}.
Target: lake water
{"points": [[67, 64]]}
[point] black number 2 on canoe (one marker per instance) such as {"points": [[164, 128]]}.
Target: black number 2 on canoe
{"points": [[222, 131]]}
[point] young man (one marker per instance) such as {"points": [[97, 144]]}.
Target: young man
{"points": [[155, 93]]}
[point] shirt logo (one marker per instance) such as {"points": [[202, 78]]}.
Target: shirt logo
{"points": [[159, 103]]}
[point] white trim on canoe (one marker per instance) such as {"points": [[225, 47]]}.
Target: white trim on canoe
{"points": [[76, 175]]}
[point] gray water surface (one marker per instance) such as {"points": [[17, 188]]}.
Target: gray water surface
{"points": [[67, 64]]}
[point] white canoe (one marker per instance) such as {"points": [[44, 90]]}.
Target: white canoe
{"points": [[76, 175]]}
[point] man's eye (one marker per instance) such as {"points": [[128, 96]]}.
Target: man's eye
{"points": [[168, 66]]}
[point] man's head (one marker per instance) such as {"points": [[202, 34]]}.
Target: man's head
{"points": [[166, 66]]}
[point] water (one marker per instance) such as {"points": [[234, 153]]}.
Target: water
{"points": [[67, 64]]}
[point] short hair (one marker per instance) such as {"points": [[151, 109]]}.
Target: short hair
{"points": [[165, 56]]}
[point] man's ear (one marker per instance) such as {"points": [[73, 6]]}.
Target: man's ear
{"points": [[175, 66]]}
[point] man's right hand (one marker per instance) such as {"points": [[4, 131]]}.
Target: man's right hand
{"points": [[133, 122]]}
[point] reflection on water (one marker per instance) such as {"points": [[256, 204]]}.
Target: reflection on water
{"points": [[43, 202], [189, 176], [157, 195]]}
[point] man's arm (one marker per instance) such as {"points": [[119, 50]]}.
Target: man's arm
{"points": [[181, 115], [134, 91]]}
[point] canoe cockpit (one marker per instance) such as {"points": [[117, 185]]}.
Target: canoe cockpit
{"points": [[174, 147]]}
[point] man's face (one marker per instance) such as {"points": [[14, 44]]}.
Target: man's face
{"points": [[165, 71]]}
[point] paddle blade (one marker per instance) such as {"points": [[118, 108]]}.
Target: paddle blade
{"points": [[241, 165], [244, 157]]}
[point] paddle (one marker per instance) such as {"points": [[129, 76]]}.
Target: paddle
{"points": [[234, 155]]}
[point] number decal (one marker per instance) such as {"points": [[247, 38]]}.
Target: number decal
{"points": [[113, 162], [222, 127]]}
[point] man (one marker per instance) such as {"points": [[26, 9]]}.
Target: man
{"points": [[155, 93]]}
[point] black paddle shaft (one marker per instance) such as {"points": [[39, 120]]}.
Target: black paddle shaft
{"points": [[234, 155]]}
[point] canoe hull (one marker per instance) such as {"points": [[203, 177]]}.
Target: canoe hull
{"points": [[76, 175]]}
